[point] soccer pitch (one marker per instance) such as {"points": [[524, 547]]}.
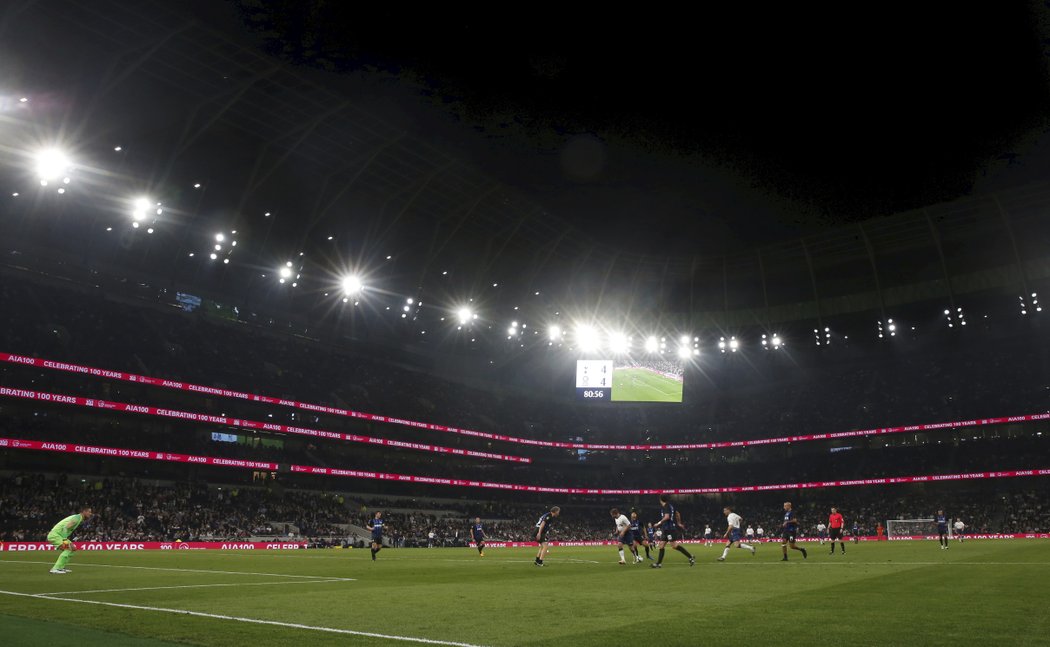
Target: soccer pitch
{"points": [[902, 593], [640, 385]]}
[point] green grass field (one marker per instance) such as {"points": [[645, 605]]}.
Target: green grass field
{"points": [[640, 385], [907, 593]]}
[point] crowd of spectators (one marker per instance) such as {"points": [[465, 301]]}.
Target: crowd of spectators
{"points": [[134, 510]]}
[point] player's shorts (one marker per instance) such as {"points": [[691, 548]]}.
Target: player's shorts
{"points": [[788, 536], [55, 540], [543, 537], [835, 533], [479, 540], [942, 531], [669, 535], [734, 535], [627, 539], [377, 539], [707, 536]]}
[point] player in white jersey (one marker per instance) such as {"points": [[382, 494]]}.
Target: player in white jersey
{"points": [[959, 528], [624, 534], [709, 535], [822, 531], [749, 534], [760, 533], [733, 536]]}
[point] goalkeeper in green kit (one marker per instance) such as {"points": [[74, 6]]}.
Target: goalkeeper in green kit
{"points": [[59, 538]]}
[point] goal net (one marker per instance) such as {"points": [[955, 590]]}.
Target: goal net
{"points": [[911, 527]]}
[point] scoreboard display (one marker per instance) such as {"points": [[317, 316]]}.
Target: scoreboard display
{"points": [[594, 379], [605, 380]]}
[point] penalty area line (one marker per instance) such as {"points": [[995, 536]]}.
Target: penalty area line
{"points": [[257, 621]]}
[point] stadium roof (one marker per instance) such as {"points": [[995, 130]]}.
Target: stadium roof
{"points": [[542, 155]]}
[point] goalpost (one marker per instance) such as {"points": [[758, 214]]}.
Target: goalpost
{"points": [[913, 527]]}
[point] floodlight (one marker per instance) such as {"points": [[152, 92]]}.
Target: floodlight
{"points": [[465, 315], [139, 208], [777, 341], [684, 352], [51, 164], [219, 238], [351, 285], [651, 345], [285, 272], [618, 343], [684, 339], [554, 333], [734, 344]]}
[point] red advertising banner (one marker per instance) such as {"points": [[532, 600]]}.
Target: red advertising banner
{"points": [[335, 411], [114, 452], [15, 443], [28, 546], [407, 478], [124, 407]]}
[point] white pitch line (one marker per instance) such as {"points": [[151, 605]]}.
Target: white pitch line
{"points": [[178, 570], [196, 586], [216, 616]]}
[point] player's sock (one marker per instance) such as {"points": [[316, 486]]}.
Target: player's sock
{"points": [[682, 550], [746, 546], [647, 553], [620, 551], [62, 560], [660, 557], [725, 552]]}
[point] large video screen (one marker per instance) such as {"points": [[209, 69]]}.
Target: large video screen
{"points": [[629, 380]]}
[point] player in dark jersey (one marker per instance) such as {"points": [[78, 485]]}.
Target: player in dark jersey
{"points": [[641, 537], [856, 531], [477, 534], [670, 525], [942, 529], [376, 524], [543, 526], [789, 532]]}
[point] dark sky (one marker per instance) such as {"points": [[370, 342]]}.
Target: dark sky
{"points": [[715, 128]]}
